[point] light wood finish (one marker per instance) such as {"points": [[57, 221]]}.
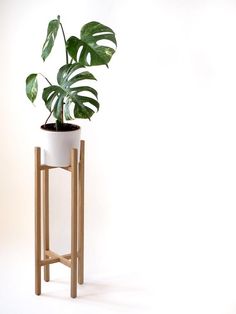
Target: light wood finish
{"points": [[66, 168], [46, 220], [74, 179], [76, 257], [81, 216], [68, 256], [60, 258], [57, 259], [49, 261], [37, 221], [43, 167]]}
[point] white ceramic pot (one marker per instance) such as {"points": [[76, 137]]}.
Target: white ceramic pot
{"points": [[56, 146]]}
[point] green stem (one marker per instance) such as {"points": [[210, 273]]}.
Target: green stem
{"points": [[48, 117], [51, 85], [64, 36], [67, 62], [46, 79], [62, 113]]}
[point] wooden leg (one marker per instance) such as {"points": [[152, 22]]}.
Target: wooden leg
{"points": [[81, 216], [46, 220], [74, 186], [37, 221]]}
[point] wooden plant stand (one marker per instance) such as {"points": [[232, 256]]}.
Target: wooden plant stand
{"points": [[74, 260]]}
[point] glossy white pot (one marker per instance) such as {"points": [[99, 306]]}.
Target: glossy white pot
{"points": [[56, 146]]}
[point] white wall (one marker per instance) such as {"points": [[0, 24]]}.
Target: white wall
{"points": [[160, 154]]}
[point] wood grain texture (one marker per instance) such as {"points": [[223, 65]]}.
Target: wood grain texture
{"points": [[81, 215], [37, 186], [61, 258], [74, 186], [75, 259], [49, 261], [46, 220]]}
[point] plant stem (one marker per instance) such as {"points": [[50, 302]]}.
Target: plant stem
{"points": [[51, 85], [64, 36], [67, 62], [62, 113], [48, 117], [46, 79]]}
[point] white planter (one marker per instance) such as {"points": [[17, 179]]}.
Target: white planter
{"points": [[56, 146]]}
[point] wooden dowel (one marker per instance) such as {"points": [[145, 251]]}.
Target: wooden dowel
{"points": [[68, 256], [46, 167], [60, 258], [37, 174], [43, 167], [66, 168], [76, 257], [74, 179], [52, 260], [81, 216], [46, 220], [49, 261]]}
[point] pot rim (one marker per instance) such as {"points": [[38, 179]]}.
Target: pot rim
{"points": [[60, 131]]}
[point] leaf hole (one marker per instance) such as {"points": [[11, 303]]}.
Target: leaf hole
{"points": [[88, 59], [89, 105], [106, 43], [102, 33], [79, 51]]}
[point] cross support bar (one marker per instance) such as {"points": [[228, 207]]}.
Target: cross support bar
{"points": [[57, 259], [75, 259]]}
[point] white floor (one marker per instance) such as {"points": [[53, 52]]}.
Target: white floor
{"points": [[100, 294], [171, 287]]}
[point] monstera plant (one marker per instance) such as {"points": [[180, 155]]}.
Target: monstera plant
{"points": [[66, 100], [71, 97]]}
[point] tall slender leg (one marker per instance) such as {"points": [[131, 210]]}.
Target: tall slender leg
{"points": [[37, 221], [74, 185], [46, 220], [81, 216]]}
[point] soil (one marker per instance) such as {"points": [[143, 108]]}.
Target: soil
{"points": [[65, 127]]}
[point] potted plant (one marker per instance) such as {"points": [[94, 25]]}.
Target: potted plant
{"points": [[70, 99]]}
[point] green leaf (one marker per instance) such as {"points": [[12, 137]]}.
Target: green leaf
{"points": [[65, 71], [72, 45], [32, 87], [64, 75], [67, 110], [85, 99], [57, 110], [80, 110], [62, 96], [84, 89], [81, 76], [50, 93], [50, 39], [49, 100], [90, 34], [59, 125]]}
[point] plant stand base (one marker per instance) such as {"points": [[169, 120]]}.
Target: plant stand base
{"points": [[75, 259]]}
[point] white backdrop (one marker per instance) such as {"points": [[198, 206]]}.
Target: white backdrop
{"points": [[160, 159]]}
